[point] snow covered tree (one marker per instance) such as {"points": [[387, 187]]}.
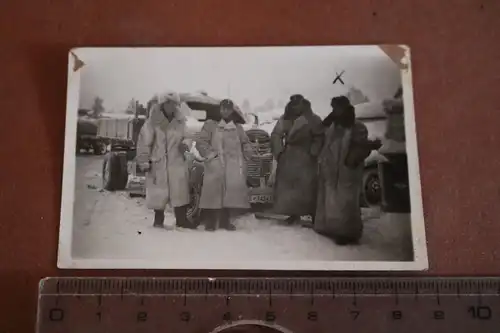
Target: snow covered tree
{"points": [[150, 104], [246, 106], [269, 105], [356, 96], [131, 106], [259, 109], [97, 107]]}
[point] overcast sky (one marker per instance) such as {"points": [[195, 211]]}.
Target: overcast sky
{"points": [[120, 74]]}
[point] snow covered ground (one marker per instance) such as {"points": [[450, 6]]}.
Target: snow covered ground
{"points": [[114, 226]]}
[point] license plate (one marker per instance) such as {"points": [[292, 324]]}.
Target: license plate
{"points": [[135, 183], [261, 198]]}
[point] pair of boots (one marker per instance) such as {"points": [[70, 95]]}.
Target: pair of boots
{"points": [[221, 216], [343, 241], [181, 220]]}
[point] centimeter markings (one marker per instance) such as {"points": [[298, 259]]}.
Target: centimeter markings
{"points": [[305, 289], [311, 287]]}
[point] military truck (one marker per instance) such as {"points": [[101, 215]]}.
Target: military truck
{"points": [[372, 115], [380, 118], [119, 136], [86, 134], [393, 171]]}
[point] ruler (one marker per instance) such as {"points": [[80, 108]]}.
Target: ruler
{"points": [[298, 305]]}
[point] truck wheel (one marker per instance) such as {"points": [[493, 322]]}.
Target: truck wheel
{"points": [[371, 194], [99, 148], [114, 172], [395, 185], [122, 185], [193, 210]]}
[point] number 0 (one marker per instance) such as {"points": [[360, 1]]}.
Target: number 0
{"points": [[270, 316]]}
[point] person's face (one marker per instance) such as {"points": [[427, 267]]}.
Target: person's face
{"points": [[170, 107], [295, 112], [226, 112], [337, 111]]}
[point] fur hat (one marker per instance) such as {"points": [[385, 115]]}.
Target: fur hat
{"points": [[340, 101], [169, 96], [296, 106], [296, 98], [227, 103], [239, 116]]}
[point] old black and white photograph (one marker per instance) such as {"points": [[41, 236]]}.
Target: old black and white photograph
{"points": [[256, 158]]}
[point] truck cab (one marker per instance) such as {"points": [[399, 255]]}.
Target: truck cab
{"points": [[372, 115], [393, 170]]}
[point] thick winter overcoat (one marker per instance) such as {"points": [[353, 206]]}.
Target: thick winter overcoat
{"points": [[338, 213], [296, 146], [167, 181], [224, 179]]}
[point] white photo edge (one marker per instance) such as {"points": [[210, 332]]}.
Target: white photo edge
{"points": [[65, 259]]}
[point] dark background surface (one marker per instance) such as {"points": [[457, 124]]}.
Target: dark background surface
{"points": [[456, 71]]}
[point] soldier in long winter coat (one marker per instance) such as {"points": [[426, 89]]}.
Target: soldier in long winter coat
{"points": [[160, 151], [296, 143], [226, 148], [341, 164]]}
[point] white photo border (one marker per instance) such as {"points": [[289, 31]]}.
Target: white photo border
{"points": [[65, 259]]}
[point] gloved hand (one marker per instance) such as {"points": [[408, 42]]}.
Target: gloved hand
{"points": [[212, 155]]}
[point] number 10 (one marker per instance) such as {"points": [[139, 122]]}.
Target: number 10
{"points": [[480, 312]]}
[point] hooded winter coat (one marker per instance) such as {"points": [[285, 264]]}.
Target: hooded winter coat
{"points": [[338, 212], [167, 181], [296, 145], [224, 179]]}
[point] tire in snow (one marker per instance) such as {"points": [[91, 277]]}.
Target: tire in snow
{"points": [[371, 195], [194, 211], [99, 148], [114, 172]]}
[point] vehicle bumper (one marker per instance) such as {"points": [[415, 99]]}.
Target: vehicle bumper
{"points": [[257, 195], [261, 195], [136, 183]]}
